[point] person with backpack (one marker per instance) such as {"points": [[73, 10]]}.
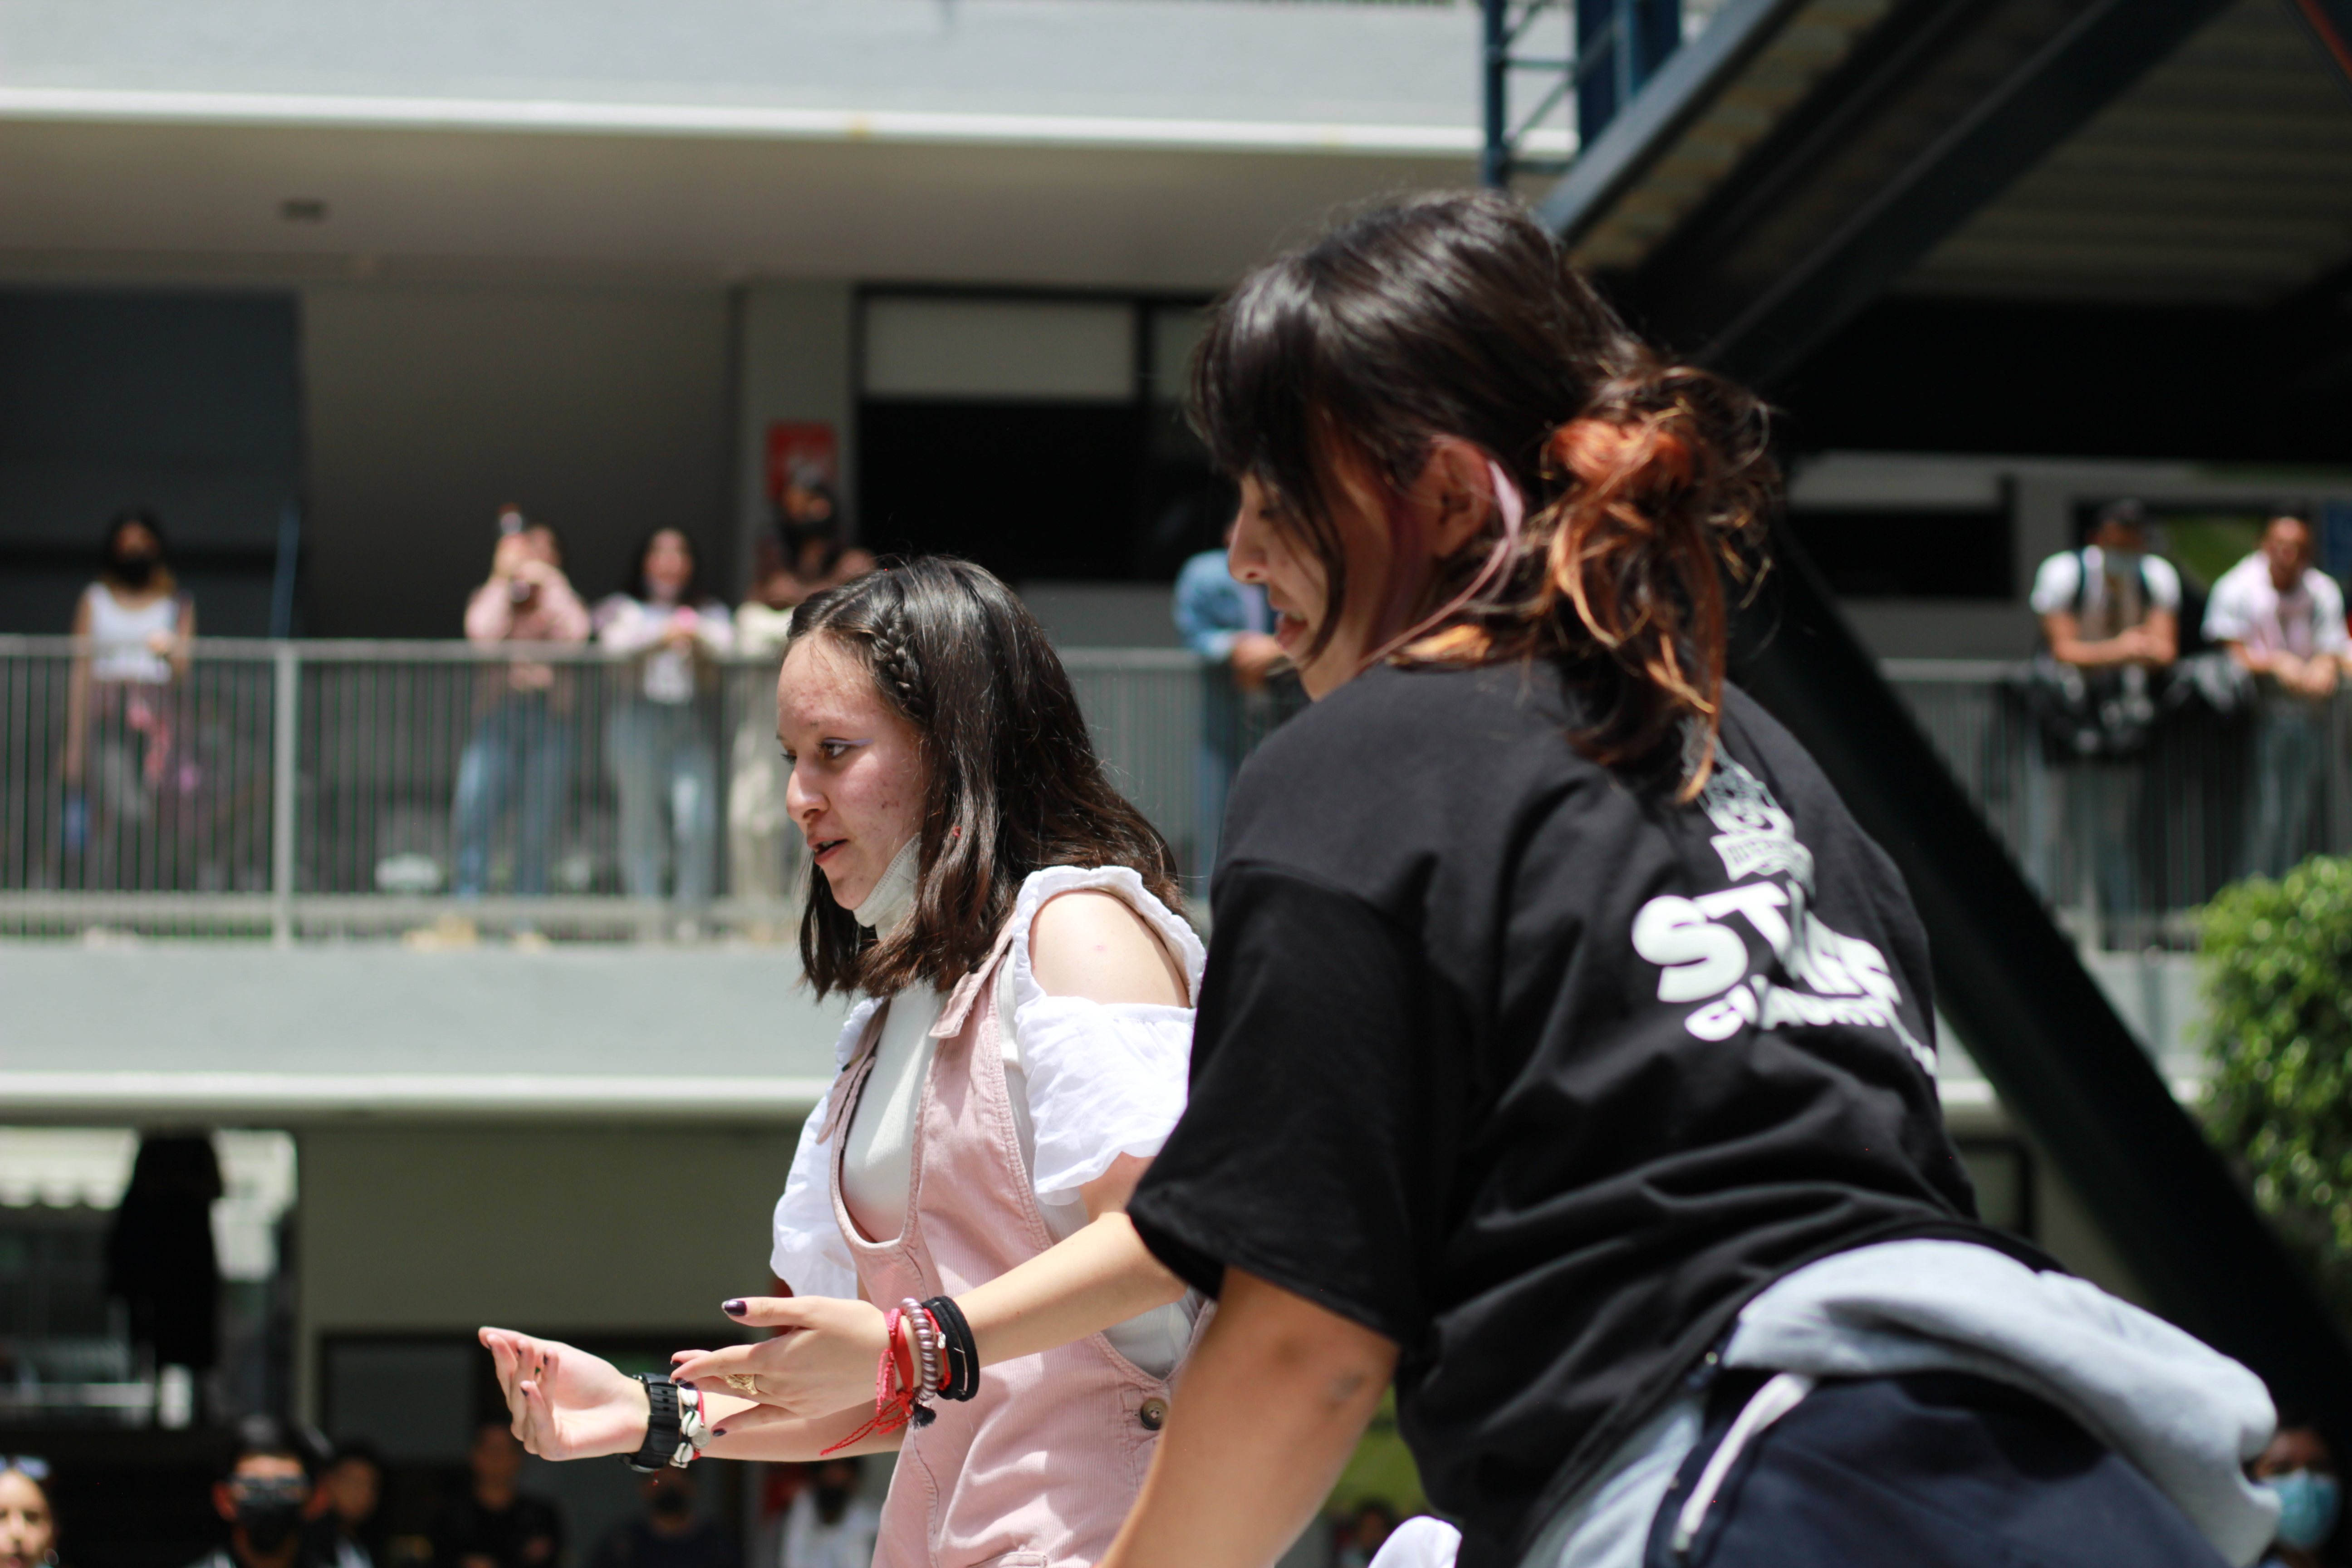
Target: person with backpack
{"points": [[2110, 627]]}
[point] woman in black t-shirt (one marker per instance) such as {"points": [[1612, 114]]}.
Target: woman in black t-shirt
{"points": [[1566, 1053]]}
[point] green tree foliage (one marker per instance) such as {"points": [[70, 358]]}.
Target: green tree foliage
{"points": [[2278, 979]]}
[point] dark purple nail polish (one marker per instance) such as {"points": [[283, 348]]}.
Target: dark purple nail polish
{"points": [[718, 1431], [734, 1309]]}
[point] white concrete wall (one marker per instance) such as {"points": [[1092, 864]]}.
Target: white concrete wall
{"points": [[569, 1229], [1388, 65], [603, 409]]}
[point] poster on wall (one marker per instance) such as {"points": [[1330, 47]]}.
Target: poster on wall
{"points": [[802, 457]]}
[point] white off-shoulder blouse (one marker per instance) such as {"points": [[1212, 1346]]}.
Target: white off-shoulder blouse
{"points": [[1088, 1082]]}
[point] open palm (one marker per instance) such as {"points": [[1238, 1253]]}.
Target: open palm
{"points": [[566, 1404]]}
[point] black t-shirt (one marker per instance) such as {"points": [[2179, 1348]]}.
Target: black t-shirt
{"points": [[1539, 1073]]}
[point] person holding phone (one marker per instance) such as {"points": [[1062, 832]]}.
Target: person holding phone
{"points": [[519, 755]]}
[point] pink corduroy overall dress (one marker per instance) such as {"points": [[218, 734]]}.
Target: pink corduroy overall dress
{"points": [[1038, 1469]]}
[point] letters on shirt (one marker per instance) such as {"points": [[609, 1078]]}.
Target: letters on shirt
{"points": [[1830, 978]]}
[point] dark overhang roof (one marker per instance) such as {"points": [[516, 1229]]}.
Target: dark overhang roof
{"points": [[1800, 159]]}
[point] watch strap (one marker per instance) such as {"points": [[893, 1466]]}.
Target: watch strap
{"points": [[661, 1425]]}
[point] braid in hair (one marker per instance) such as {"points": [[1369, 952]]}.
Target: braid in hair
{"points": [[895, 667], [1013, 784]]}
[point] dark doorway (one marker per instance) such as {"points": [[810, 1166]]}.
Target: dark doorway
{"points": [[187, 404], [1029, 490]]}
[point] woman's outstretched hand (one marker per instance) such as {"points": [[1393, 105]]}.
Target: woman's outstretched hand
{"points": [[567, 1404], [824, 1363]]}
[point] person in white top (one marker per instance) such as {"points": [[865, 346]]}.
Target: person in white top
{"points": [[123, 761], [657, 741], [1019, 1059], [2111, 617], [2111, 605], [2282, 619]]}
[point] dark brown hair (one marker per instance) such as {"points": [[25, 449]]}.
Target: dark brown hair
{"points": [[638, 588], [1457, 315], [122, 522], [1014, 785]]}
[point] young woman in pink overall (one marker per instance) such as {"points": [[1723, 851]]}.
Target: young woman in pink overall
{"points": [[1020, 1057]]}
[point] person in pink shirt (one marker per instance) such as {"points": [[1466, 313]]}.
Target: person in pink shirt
{"points": [[519, 755]]}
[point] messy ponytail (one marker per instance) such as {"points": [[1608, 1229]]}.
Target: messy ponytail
{"points": [[1646, 484]]}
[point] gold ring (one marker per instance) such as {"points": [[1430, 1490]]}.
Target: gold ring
{"points": [[743, 1382]]}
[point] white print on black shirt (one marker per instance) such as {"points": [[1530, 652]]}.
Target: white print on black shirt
{"points": [[1701, 956]]}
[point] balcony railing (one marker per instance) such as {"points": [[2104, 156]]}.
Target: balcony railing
{"points": [[2126, 850], [300, 790], [309, 790]]}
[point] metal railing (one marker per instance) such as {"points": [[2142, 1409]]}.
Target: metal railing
{"points": [[2125, 850], [298, 789]]}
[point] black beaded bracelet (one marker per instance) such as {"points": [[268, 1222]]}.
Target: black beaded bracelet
{"points": [[963, 1371]]}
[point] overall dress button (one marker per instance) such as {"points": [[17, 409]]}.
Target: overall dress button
{"points": [[1153, 1415]]}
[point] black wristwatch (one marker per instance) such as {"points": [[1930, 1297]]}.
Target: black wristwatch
{"points": [[662, 1435]]}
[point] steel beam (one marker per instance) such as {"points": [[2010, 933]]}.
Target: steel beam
{"points": [[2017, 120], [1687, 81], [2328, 25]]}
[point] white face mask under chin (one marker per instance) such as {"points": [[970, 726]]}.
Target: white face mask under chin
{"points": [[891, 900]]}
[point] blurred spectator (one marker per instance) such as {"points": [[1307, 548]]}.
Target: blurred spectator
{"points": [[2110, 625], [263, 1498], [159, 1261], [2299, 1469], [343, 1534], [669, 1535], [810, 551], [1229, 623], [766, 854], [29, 1527], [492, 1524], [122, 768], [520, 752], [656, 741], [1363, 1534], [829, 1525], [2282, 619]]}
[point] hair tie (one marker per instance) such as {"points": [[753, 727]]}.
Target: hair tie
{"points": [[1596, 451], [1514, 508]]}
